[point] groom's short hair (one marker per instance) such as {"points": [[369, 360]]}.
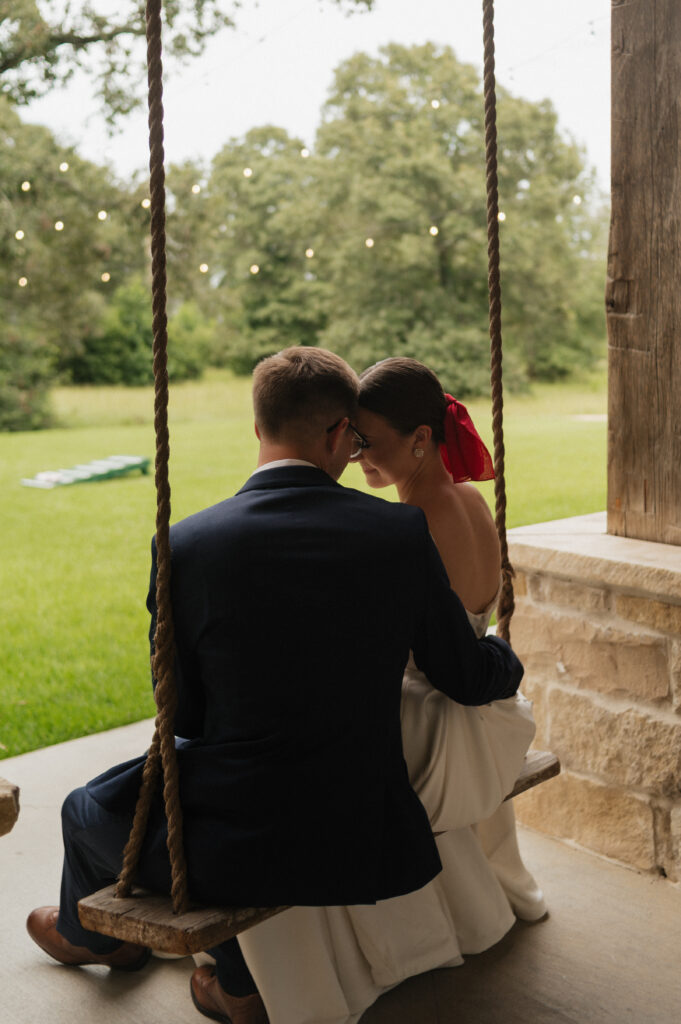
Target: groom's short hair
{"points": [[301, 391]]}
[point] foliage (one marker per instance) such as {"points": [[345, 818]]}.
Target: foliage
{"points": [[120, 350], [43, 44], [403, 149], [24, 379], [375, 243]]}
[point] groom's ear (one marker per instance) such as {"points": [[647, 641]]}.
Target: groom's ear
{"points": [[334, 438], [257, 431]]}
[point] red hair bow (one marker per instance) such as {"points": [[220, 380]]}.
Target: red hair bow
{"points": [[463, 451]]}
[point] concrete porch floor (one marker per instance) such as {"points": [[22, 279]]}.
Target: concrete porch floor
{"points": [[609, 952]]}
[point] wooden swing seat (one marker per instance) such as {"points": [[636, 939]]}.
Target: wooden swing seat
{"points": [[149, 920]]}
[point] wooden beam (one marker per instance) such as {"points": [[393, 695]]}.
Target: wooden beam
{"points": [[643, 297]]}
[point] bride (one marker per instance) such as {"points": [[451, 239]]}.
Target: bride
{"points": [[326, 965]]}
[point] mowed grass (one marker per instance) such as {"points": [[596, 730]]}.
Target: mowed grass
{"points": [[74, 562]]}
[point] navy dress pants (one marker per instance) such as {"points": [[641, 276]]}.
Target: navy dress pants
{"points": [[94, 840]]}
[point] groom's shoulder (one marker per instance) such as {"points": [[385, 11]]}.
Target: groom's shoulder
{"points": [[382, 510]]}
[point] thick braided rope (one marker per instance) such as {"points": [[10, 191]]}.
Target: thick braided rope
{"points": [[506, 602], [164, 647]]}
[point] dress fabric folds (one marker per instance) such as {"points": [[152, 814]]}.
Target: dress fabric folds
{"points": [[327, 965]]}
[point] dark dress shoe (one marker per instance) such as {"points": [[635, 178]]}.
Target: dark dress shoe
{"points": [[41, 925], [210, 999]]}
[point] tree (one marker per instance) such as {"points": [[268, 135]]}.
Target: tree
{"points": [[375, 243], [68, 234], [42, 44], [404, 182]]}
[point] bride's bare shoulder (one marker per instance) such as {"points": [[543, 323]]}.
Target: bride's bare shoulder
{"points": [[463, 530]]}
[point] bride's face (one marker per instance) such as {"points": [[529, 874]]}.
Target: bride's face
{"points": [[389, 457]]}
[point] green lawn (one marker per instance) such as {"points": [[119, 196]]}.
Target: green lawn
{"points": [[74, 561]]}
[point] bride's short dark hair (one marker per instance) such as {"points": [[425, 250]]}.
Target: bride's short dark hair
{"points": [[298, 389], [406, 393]]}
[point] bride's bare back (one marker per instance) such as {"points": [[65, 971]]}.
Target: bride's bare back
{"points": [[463, 529]]}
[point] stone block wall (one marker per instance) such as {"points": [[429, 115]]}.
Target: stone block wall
{"points": [[598, 628]]}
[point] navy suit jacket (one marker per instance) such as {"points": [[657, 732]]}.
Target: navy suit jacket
{"points": [[295, 605]]}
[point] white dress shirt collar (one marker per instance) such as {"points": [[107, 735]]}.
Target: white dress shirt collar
{"points": [[282, 463]]}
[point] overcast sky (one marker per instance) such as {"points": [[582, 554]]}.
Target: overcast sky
{"points": [[277, 68]]}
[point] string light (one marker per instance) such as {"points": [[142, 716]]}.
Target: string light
{"points": [[254, 268], [203, 268], [23, 281], [433, 230], [435, 104], [501, 216], [59, 225], [248, 171], [369, 242], [577, 200], [102, 215], [309, 253], [106, 277], [196, 189], [19, 235], [305, 153], [63, 167], [25, 186], [146, 203]]}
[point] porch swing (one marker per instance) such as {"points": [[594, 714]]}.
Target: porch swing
{"points": [[173, 924]]}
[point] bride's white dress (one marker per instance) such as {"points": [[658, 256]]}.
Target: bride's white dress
{"points": [[327, 965]]}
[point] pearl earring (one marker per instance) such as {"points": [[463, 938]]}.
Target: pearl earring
{"points": [[419, 453]]}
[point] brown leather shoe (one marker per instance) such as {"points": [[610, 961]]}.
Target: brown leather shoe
{"points": [[210, 999], [41, 925]]}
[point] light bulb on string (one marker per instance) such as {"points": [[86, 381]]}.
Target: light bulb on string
{"points": [[501, 216], [19, 235], [25, 186], [146, 203], [59, 225], [22, 282], [577, 200], [106, 277], [309, 253], [203, 268], [305, 152], [369, 242], [433, 230], [254, 268], [435, 104], [102, 215], [63, 167], [247, 172], [196, 189]]}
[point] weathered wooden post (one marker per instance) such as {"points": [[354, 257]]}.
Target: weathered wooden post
{"points": [[643, 296], [598, 613]]}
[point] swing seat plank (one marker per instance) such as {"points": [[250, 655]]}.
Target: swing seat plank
{"points": [[539, 766], [148, 919]]}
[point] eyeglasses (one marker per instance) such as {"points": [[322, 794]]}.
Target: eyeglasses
{"points": [[360, 441]]}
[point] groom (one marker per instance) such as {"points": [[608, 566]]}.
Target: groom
{"points": [[295, 605]]}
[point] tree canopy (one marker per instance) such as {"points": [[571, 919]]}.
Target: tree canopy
{"points": [[371, 242], [374, 242]]}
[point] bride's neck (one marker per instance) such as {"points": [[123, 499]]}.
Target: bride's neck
{"points": [[428, 477]]}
